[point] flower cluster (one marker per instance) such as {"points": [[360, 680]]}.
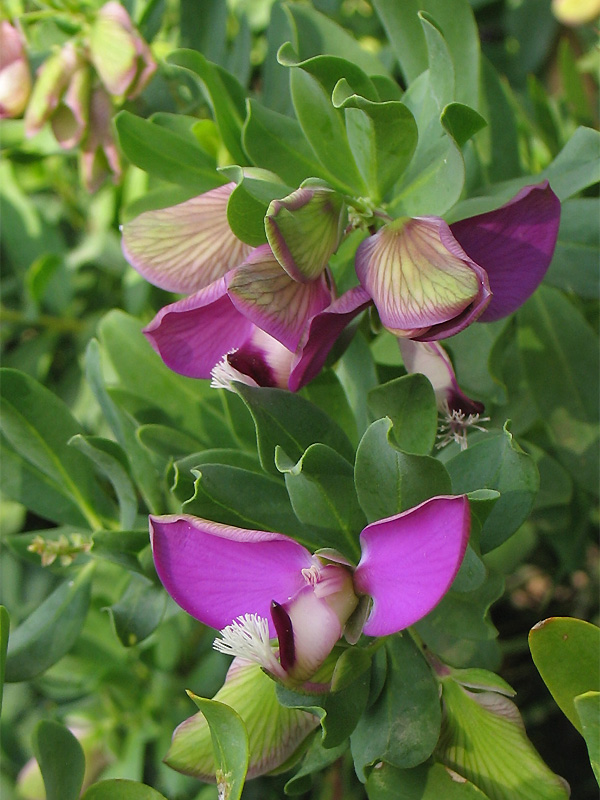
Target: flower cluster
{"points": [[269, 316], [76, 85]]}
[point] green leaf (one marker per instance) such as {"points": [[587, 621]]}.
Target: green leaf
{"points": [[578, 243], [183, 479], [111, 460], [316, 759], [4, 630], [461, 122], [121, 547], [166, 154], [357, 373], [322, 493], [124, 429], [230, 745], [457, 24], [482, 732], [61, 760], [121, 789], [244, 498], [25, 483], [410, 403], [425, 782], [587, 706], [462, 616], [249, 201], [224, 94], [315, 34], [50, 631], [561, 359], [329, 70], [382, 137], [498, 145], [276, 142], [323, 127], [326, 392], [497, 462], [566, 652], [402, 726], [166, 441], [341, 708], [388, 480], [38, 425], [293, 423], [139, 610]]}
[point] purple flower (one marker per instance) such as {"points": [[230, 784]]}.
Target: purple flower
{"points": [[460, 413], [255, 585], [255, 325], [429, 280]]}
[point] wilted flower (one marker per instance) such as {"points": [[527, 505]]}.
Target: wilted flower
{"points": [[459, 412], [99, 156], [51, 83], [15, 79], [429, 280], [255, 585], [71, 116], [118, 52]]}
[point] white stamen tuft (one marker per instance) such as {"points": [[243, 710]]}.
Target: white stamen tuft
{"points": [[248, 637], [223, 374], [455, 426]]}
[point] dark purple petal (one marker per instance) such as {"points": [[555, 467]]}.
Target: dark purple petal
{"points": [[218, 572], [409, 561], [322, 333], [514, 244], [193, 335]]}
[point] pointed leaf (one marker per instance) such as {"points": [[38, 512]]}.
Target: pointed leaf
{"points": [[121, 789], [403, 725], [293, 423], [426, 782], [50, 631], [388, 480], [139, 610], [410, 404]]}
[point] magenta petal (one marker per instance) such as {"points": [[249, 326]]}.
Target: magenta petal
{"points": [[514, 244], [322, 333], [192, 335], [217, 572], [410, 560]]}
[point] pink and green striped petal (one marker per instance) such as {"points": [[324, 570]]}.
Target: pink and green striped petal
{"points": [[274, 732], [417, 275], [185, 247], [264, 293], [304, 230]]}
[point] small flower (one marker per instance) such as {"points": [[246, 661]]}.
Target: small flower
{"points": [[459, 412], [51, 83], [70, 119], [99, 156], [15, 79], [429, 280], [255, 585], [118, 52]]}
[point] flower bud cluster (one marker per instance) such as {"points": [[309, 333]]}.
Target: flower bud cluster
{"points": [[76, 87]]}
